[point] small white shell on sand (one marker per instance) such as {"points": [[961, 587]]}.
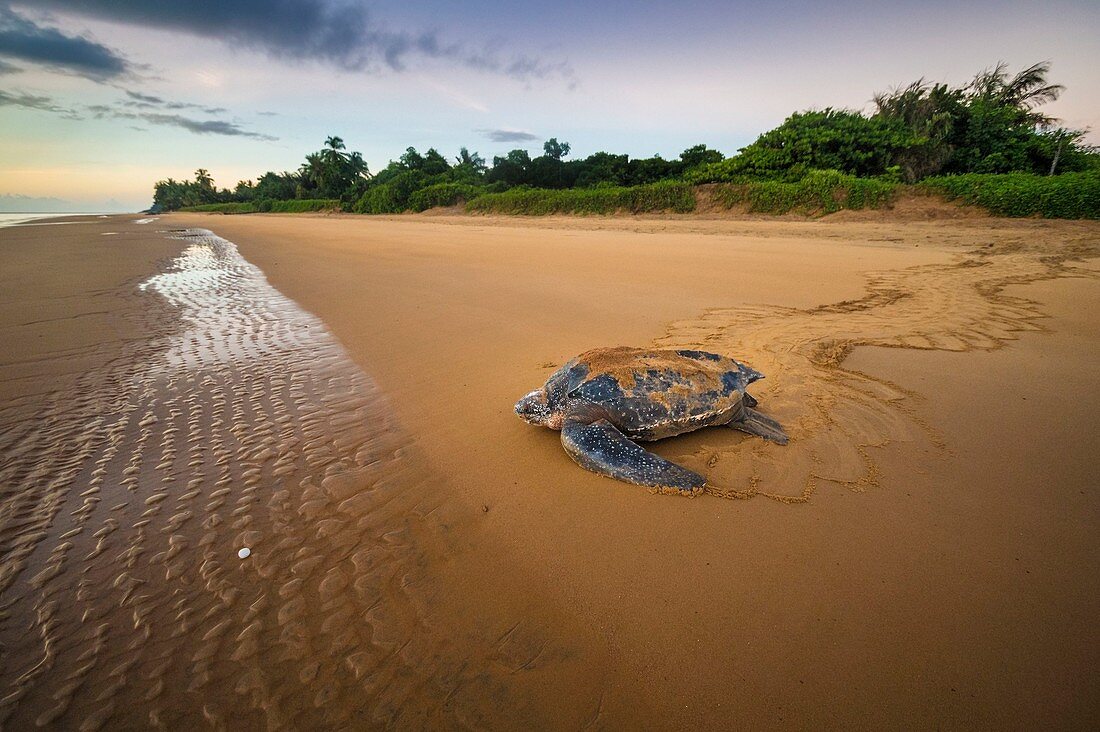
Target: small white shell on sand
{"points": [[244, 552]]}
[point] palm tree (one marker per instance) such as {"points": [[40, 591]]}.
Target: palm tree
{"points": [[1023, 92], [330, 172], [202, 177], [316, 170], [469, 164], [333, 157], [929, 111], [356, 165]]}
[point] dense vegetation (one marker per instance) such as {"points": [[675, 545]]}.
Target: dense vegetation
{"points": [[989, 126], [1066, 196], [986, 143], [652, 198], [817, 192], [267, 205]]}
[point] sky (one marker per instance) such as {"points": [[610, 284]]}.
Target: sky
{"points": [[101, 98]]}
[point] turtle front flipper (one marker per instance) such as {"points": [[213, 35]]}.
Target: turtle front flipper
{"points": [[751, 421], [600, 447]]}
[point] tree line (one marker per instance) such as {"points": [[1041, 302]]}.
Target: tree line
{"points": [[993, 124]]}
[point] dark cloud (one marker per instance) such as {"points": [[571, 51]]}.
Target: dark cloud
{"points": [[509, 135], [30, 101], [337, 32], [202, 127], [149, 101], [190, 105], [37, 102], [145, 98], [23, 40], [103, 111]]}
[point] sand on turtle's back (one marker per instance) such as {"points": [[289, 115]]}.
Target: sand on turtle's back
{"points": [[663, 393]]}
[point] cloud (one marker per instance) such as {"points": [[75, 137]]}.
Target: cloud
{"points": [[37, 102], [337, 32], [149, 101], [202, 127], [509, 135], [145, 98], [23, 40], [188, 105], [103, 111], [6, 68]]}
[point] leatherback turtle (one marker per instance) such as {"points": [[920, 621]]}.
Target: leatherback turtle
{"points": [[607, 398]]}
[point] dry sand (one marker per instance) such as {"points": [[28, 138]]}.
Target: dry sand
{"points": [[923, 552]]}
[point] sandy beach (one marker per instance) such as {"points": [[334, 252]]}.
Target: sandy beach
{"points": [[335, 393]]}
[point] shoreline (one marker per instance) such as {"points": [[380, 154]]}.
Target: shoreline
{"points": [[223, 417]]}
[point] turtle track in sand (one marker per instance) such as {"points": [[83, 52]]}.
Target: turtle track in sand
{"points": [[835, 414], [238, 422]]}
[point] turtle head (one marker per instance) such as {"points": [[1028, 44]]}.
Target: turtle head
{"points": [[534, 408], [545, 406]]}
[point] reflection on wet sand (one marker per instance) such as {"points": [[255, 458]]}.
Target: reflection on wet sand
{"points": [[237, 422]]}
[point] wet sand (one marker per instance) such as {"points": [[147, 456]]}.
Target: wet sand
{"points": [[924, 551]]}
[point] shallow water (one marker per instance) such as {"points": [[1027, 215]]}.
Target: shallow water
{"points": [[236, 422], [28, 219]]}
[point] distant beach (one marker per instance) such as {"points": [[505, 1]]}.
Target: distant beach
{"points": [[10, 219]]}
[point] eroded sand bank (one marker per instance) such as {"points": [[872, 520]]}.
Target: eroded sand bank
{"points": [[458, 568]]}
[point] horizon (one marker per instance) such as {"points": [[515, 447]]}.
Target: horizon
{"points": [[101, 99]]}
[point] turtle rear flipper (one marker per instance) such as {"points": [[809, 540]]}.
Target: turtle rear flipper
{"points": [[600, 447], [751, 421]]}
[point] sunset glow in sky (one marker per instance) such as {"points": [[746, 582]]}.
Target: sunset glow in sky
{"points": [[100, 98]]}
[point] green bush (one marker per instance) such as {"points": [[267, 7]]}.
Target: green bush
{"points": [[391, 190], [381, 199], [302, 205], [443, 194], [265, 205], [724, 171], [671, 196], [818, 192], [829, 139], [225, 208], [1066, 196]]}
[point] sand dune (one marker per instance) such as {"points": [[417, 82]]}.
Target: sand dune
{"points": [[338, 399]]}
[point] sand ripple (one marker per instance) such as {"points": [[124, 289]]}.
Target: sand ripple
{"points": [[237, 422]]}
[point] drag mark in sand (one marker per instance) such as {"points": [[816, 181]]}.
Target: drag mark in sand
{"points": [[237, 422], [835, 414]]}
